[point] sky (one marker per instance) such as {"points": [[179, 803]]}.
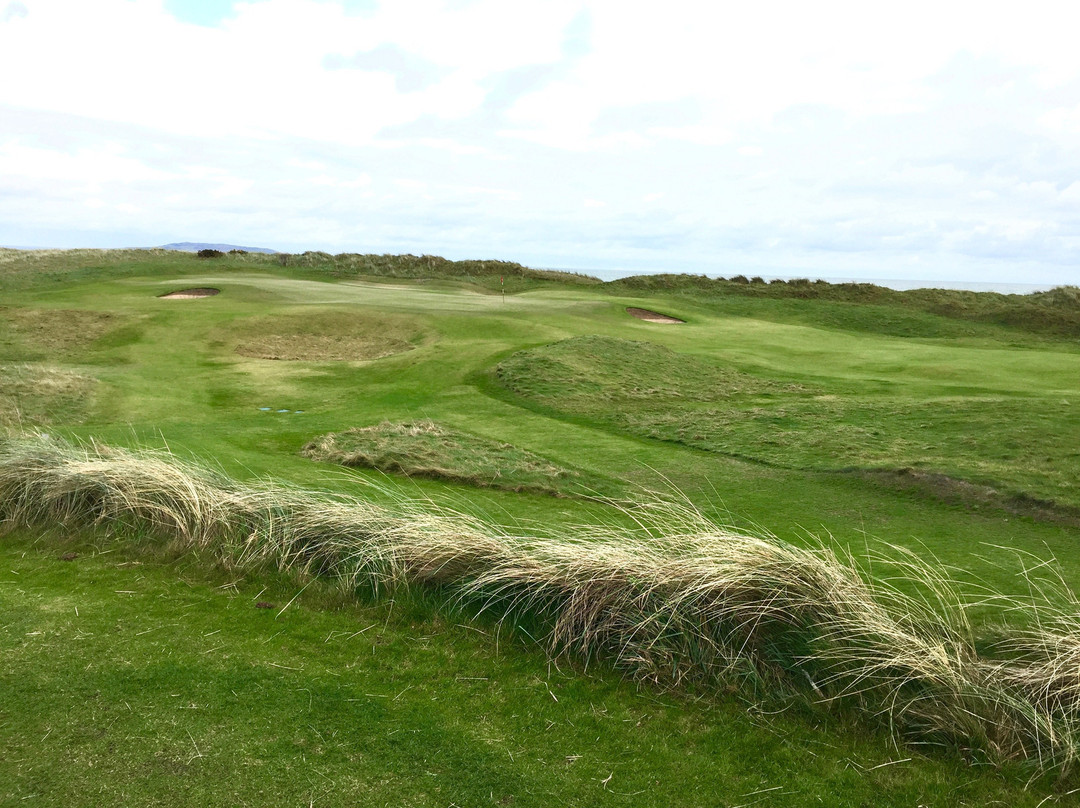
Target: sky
{"points": [[921, 140]]}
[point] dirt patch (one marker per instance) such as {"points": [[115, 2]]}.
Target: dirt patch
{"points": [[191, 294], [653, 316]]}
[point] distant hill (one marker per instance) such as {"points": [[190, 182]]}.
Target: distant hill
{"points": [[195, 246]]}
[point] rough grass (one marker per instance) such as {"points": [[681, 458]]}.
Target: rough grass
{"points": [[1055, 312], [22, 268], [27, 333], [40, 395], [427, 449], [1023, 445], [680, 598], [322, 336], [581, 371]]}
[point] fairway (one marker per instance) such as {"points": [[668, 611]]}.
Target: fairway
{"points": [[544, 412]]}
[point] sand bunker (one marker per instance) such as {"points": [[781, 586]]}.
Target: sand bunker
{"points": [[652, 316], [191, 294]]}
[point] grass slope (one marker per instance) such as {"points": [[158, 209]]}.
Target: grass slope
{"points": [[427, 449], [169, 375], [156, 682], [1054, 313], [1025, 444], [39, 395]]}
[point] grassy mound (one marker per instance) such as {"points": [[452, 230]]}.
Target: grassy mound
{"points": [[591, 374], [678, 599], [1055, 312], [1023, 445], [27, 333], [427, 449], [35, 394], [324, 336]]}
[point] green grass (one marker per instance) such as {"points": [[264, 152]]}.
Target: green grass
{"points": [[158, 682], [427, 449], [864, 306], [838, 368], [1021, 442], [325, 336], [39, 395]]}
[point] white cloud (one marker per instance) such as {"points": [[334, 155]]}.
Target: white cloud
{"points": [[13, 11], [105, 164], [929, 137]]}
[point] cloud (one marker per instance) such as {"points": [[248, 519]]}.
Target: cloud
{"points": [[790, 138], [208, 13], [13, 11], [410, 72], [577, 38], [662, 116]]}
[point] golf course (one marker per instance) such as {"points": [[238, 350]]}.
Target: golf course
{"points": [[397, 530]]}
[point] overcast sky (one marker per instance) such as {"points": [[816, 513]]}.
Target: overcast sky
{"points": [[936, 140]]}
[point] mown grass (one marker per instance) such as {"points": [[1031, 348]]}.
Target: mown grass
{"points": [[1023, 444], [679, 598], [170, 377], [427, 449], [158, 681]]}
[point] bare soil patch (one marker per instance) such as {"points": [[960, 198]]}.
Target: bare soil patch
{"points": [[191, 294], [653, 316]]}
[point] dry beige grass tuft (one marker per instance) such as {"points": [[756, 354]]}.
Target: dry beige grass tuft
{"points": [[678, 598]]}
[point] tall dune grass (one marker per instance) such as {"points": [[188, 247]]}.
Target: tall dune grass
{"points": [[678, 598]]}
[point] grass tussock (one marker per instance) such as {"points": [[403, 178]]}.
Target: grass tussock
{"points": [[679, 598], [427, 449]]}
